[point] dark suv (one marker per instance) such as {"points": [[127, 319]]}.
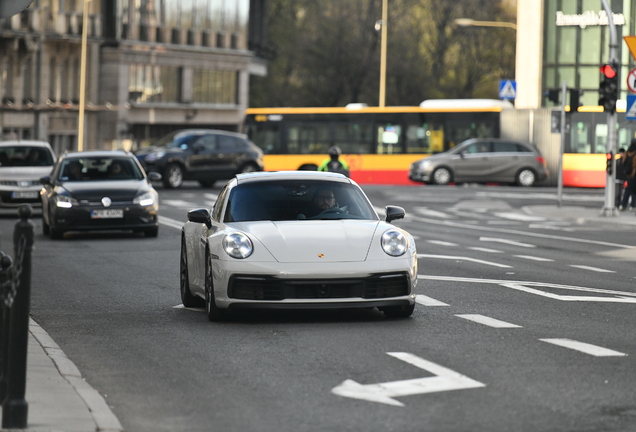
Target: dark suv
{"points": [[205, 155]]}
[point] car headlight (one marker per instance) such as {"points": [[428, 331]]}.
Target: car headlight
{"points": [[423, 164], [238, 245], [146, 199], [154, 156], [65, 201], [394, 243]]}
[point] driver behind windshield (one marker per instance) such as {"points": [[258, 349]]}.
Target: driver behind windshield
{"points": [[324, 199]]}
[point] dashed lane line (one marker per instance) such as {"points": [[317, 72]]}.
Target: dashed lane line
{"points": [[491, 322], [441, 243], [586, 348], [506, 241], [481, 249], [594, 269], [172, 223], [428, 301], [460, 258], [534, 258]]}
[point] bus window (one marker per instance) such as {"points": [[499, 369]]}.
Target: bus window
{"points": [[600, 138], [579, 138], [417, 139], [308, 138], [266, 136], [354, 138], [389, 139]]}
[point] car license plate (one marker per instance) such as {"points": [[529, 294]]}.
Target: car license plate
{"points": [[25, 194], [107, 214]]}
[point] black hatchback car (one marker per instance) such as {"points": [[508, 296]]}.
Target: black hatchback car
{"points": [[99, 190], [205, 155]]}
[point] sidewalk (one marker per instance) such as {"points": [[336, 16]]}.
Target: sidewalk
{"points": [[61, 401]]}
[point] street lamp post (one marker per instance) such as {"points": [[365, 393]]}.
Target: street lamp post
{"points": [[80, 126], [381, 25]]}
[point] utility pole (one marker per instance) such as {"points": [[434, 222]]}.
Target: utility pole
{"points": [[609, 208]]}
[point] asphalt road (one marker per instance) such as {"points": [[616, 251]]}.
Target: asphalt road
{"points": [[522, 324]]}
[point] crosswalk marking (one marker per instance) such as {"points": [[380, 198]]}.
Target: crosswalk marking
{"points": [[586, 348], [481, 249], [460, 258], [594, 269], [428, 301], [491, 322]]}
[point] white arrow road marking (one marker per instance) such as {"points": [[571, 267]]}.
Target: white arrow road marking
{"points": [[441, 243], [491, 322], [172, 223], [444, 380], [584, 347], [506, 241], [450, 257], [534, 258], [616, 296], [428, 301], [595, 269]]}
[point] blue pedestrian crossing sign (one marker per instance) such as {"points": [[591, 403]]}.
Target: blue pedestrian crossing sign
{"points": [[507, 89], [630, 112]]}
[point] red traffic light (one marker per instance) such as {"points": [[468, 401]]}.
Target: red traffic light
{"points": [[608, 70]]}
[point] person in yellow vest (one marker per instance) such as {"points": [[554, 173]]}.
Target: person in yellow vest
{"points": [[334, 164]]}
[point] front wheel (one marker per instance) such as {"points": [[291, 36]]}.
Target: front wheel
{"points": [[442, 176], [173, 176], [214, 313], [399, 311], [152, 232], [187, 298], [526, 177]]}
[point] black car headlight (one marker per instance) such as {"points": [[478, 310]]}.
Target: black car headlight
{"points": [[154, 156], [238, 245], [394, 243], [65, 201], [145, 199]]}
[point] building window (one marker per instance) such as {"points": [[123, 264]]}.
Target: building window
{"points": [[154, 84], [215, 87]]}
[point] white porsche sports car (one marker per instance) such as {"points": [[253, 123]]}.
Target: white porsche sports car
{"points": [[296, 240]]}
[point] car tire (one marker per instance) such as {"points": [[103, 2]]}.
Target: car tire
{"points": [[187, 298], [55, 234], [442, 176], [399, 311], [526, 177], [214, 313], [248, 168], [173, 176], [152, 232]]}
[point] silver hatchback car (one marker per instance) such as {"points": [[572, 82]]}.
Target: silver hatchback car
{"points": [[483, 160]]}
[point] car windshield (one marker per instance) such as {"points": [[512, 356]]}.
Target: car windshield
{"points": [[297, 200], [99, 169], [25, 156]]}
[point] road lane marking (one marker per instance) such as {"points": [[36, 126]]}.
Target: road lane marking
{"points": [[550, 227], [428, 301], [481, 249], [448, 223], [431, 213], [441, 243], [520, 217], [534, 258], [172, 223], [178, 203], [506, 241], [584, 347], [618, 296], [491, 322], [444, 380], [450, 257], [594, 269]]}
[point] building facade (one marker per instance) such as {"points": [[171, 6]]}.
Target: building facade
{"points": [[152, 66], [566, 41]]}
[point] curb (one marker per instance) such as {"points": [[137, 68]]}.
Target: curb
{"points": [[104, 418]]}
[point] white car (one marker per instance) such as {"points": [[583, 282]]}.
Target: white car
{"points": [[296, 240], [22, 164]]}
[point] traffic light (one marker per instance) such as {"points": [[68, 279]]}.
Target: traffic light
{"points": [[610, 158], [553, 95], [575, 95], [608, 88]]}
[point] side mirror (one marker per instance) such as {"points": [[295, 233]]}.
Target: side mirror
{"points": [[46, 180], [154, 176], [394, 212], [201, 215]]}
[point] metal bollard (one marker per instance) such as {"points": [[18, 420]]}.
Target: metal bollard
{"points": [[15, 407], [7, 291]]}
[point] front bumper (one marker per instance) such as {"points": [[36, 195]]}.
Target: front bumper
{"points": [[78, 218], [419, 175], [15, 196]]}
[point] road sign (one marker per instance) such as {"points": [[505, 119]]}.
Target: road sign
{"points": [[507, 89], [631, 44], [631, 80], [630, 112]]}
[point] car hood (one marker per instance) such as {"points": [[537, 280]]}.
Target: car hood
{"points": [[315, 241], [24, 173], [117, 190]]}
